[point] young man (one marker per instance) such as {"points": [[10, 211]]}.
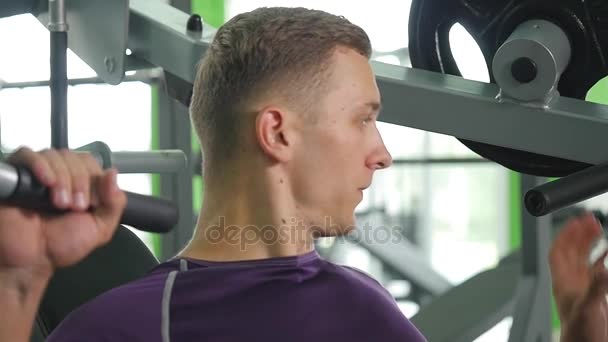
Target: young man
{"points": [[285, 106]]}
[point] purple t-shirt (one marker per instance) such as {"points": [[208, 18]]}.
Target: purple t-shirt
{"points": [[298, 298]]}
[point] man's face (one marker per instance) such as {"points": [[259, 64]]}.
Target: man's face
{"points": [[337, 154]]}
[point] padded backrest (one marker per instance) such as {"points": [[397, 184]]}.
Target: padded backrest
{"points": [[124, 259]]}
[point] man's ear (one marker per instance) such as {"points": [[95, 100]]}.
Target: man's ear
{"points": [[271, 128]]}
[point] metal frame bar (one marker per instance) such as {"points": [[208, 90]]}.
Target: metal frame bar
{"points": [[10, 8], [174, 127], [532, 311], [174, 133], [165, 161], [59, 73], [417, 269], [468, 109], [182, 5], [89, 20], [487, 297], [148, 76], [158, 34]]}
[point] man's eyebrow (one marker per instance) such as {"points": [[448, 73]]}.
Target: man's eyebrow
{"points": [[373, 105]]}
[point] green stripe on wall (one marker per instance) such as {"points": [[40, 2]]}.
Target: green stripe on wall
{"points": [[515, 210], [213, 12], [155, 178], [599, 92]]}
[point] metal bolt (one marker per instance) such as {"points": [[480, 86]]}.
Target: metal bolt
{"points": [[195, 23], [110, 64]]}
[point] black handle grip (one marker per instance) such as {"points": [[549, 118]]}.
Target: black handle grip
{"points": [[151, 214], [145, 213], [568, 190]]}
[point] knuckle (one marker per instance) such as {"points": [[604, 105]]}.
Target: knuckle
{"points": [[48, 152], [87, 158], [79, 183], [65, 155], [90, 162], [64, 152], [39, 164], [79, 177], [63, 177], [21, 151], [21, 155], [52, 157]]}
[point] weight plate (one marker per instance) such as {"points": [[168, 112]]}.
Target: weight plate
{"points": [[490, 22]]}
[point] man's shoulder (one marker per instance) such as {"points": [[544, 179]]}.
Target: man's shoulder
{"points": [[143, 289], [359, 274], [365, 294], [130, 295], [348, 272], [113, 314], [357, 279]]}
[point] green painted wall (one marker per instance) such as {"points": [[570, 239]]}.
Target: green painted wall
{"points": [[213, 12], [599, 92], [155, 145]]}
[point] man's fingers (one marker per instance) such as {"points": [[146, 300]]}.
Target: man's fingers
{"points": [[112, 203], [61, 192], [80, 181], [562, 247], [588, 232], [87, 230], [569, 232], [39, 166], [96, 172], [599, 286], [576, 238], [598, 254]]}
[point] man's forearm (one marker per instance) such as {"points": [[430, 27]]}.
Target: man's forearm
{"points": [[19, 301]]}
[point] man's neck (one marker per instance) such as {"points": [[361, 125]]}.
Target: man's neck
{"points": [[247, 226]]}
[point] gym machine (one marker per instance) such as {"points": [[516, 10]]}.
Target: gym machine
{"points": [[531, 118], [543, 57]]}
